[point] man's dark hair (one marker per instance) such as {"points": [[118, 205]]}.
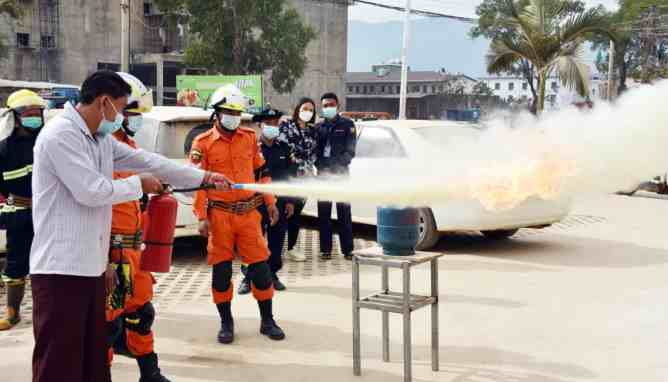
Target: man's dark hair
{"points": [[329, 96], [295, 114], [103, 82]]}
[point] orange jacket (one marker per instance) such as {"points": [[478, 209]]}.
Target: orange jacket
{"points": [[237, 157], [126, 217]]}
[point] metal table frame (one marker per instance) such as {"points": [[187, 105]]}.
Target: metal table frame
{"points": [[388, 302]]}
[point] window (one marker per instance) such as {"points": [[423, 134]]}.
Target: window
{"points": [[415, 89], [350, 89], [147, 8], [378, 142], [424, 89], [398, 89], [497, 86], [357, 89], [511, 86], [554, 85], [48, 42], [433, 89], [22, 40], [372, 89], [440, 88], [525, 86], [382, 89], [364, 89]]}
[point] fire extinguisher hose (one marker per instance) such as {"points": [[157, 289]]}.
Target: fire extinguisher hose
{"points": [[169, 188]]}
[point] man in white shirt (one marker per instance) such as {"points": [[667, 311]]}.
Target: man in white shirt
{"points": [[73, 191]]}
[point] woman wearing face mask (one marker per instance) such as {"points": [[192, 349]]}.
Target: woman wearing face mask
{"points": [[299, 133], [18, 133]]}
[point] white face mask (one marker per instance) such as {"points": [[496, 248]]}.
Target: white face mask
{"points": [[230, 122], [305, 115], [270, 132]]}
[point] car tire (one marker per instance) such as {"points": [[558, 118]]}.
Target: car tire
{"points": [[429, 234], [192, 134], [500, 234]]}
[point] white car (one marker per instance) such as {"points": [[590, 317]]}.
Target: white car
{"points": [[387, 144]]}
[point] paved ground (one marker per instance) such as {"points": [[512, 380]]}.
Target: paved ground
{"points": [[580, 301]]}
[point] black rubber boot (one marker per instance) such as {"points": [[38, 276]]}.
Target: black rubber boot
{"points": [[121, 343], [278, 285], [226, 332], [268, 326], [15, 294], [148, 369]]}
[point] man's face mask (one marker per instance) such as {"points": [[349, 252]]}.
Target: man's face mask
{"points": [[229, 122], [270, 132], [109, 127]]}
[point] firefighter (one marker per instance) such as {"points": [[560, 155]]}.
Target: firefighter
{"points": [[130, 313], [230, 219], [18, 131], [281, 165]]}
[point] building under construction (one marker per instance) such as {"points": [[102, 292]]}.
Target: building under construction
{"points": [[64, 41]]}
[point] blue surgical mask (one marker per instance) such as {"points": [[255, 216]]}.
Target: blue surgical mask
{"points": [[32, 123], [329, 112], [110, 127], [270, 132], [135, 123]]}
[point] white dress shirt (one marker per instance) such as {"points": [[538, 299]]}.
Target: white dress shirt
{"points": [[73, 191]]}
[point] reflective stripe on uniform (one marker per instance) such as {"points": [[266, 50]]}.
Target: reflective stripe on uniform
{"points": [[18, 173], [7, 209], [13, 282]]}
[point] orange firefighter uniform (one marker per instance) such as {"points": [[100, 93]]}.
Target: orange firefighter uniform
{"points": [[234, 221], [134, 302]]}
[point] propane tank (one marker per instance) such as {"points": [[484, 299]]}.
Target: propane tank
{"points": [[159, 227]]}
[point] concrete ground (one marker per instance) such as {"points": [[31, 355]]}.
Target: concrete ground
{"points": [[580, 301]]}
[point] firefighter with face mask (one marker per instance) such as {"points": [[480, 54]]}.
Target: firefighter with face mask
{"points": [[230, 219], [130, 313], [18, 131]]}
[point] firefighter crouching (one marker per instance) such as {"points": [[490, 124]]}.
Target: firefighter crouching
{"points": [[130, 314], [230, 218], [18, 131]]}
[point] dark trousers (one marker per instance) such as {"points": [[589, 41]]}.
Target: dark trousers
{"points": [[69, 328], [345, 222], [19, 239], [276, 236], [294, 223]]}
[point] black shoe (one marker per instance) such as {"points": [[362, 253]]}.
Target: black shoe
{"points": [[271, 330], [348, 257], [244, 287], [148, 368], [325, 256], [278, 285], [226, 332]]}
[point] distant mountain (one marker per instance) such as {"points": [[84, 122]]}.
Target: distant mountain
{"points": [[435, 44]]}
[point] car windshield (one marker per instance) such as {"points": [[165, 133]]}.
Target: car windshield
{"points": [[378, 142]]}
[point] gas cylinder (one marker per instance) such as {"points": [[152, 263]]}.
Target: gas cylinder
{"points": [[398, 230], [159, 227]]}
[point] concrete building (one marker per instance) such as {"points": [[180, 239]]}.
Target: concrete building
{"points": [[516, 90], [379, 90], [64, 41]]}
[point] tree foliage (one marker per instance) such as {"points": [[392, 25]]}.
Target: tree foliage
{"points": [[549, 41], [244, 37], [11, 9], [482, 89]]}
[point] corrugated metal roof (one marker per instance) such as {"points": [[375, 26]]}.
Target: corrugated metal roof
{"points": [[395, 76]]}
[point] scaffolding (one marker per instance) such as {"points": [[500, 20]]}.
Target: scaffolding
{"points": [[49, 24]]}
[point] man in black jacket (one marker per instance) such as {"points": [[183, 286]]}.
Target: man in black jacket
{"points": [[337, 138]]}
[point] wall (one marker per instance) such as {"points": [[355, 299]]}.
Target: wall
{"points": [[327, 54]]}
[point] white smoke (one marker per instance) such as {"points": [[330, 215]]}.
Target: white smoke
{"points": [[567, 153]]}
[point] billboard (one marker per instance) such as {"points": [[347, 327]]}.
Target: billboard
{"points": [[196, 90]]}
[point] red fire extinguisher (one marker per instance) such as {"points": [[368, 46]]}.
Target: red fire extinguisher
{"points": [[159, 227]]}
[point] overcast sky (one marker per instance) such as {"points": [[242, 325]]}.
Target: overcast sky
{"points": [[455, 7]]}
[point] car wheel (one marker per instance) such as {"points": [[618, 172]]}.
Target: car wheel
{"points": [[429, 235], [500, 234]]}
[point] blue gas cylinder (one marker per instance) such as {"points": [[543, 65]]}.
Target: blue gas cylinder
{"points": [[398, 230]]}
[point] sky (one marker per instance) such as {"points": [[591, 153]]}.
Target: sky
{"points": [[464, 8]]}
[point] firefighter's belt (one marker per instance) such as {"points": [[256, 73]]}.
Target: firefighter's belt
{"points": [[15, 202], [241, 207], [120, 241]]}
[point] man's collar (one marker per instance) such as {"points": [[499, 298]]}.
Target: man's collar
{"points": [[73, 115]]}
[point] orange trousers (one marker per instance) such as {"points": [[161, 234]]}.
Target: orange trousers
{"points": [[227, 232], [142, 294]]}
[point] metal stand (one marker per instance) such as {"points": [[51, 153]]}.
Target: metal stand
{"points": [[395, 302]]}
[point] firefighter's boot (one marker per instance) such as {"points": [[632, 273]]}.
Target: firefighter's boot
{"points": [[148, 369], [15, 294], [268, 326], [226, 333]]}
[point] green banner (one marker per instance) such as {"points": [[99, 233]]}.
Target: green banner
{"points": [[196, 90]]}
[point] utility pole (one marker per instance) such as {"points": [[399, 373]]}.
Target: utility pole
{"points": [[125, 36], [611, 71], [404, 62]]}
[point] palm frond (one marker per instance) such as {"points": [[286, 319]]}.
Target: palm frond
{"points": [[572, 69], [590, 21], [503, 56]]}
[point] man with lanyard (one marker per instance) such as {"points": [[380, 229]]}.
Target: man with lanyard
{"points": [[130, 313], [337, 138], [230, 219], [18, 132], [280, 165]]}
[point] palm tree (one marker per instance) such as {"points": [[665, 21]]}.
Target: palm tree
{"points": [[548, 44]]}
